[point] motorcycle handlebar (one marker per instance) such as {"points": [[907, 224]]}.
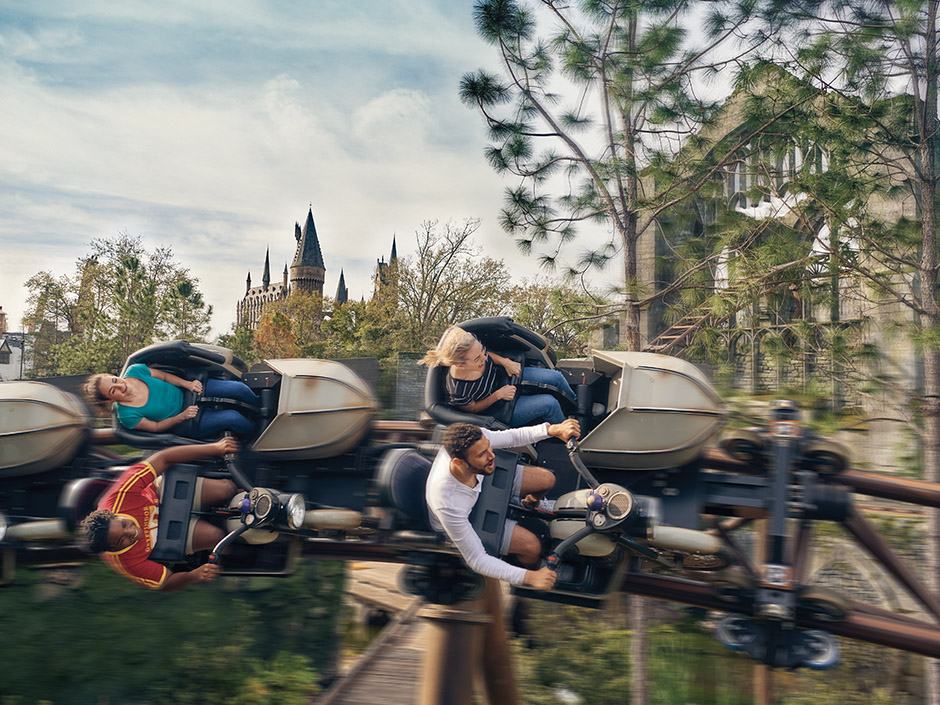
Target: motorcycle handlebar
{"points": [[215, 556], [574, 454], [231, 464]]}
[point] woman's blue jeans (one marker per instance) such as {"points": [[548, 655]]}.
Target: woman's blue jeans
{"points": [[533, 408], [214, 421]]}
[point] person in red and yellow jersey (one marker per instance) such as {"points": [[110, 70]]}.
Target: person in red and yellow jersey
{"points": [[123, 529]]}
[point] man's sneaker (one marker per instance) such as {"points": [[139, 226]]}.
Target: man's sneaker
{"points": [[546, 505]]}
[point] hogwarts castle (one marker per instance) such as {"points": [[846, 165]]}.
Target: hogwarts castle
{"points": [[307, 273]]}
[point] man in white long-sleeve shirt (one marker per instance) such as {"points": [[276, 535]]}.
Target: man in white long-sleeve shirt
{"points": [[453, 488]]}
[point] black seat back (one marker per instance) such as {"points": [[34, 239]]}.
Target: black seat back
{"points": [[488, 517], [401, 481], [176, 507], [79, 498]]}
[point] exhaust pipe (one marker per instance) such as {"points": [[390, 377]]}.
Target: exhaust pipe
{"points": [[332, 519], [45, 529], [685, 540]]}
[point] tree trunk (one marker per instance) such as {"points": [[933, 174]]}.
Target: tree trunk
{"points": [[637, 606], [630, 321], [931, 316]]}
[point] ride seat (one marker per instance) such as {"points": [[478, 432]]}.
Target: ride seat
{"points": [[190, 361], [176, 507], [488, 517], [504, 337], [400, 481], [183, 433], [80, 498], [496, 417], [402, 478]]}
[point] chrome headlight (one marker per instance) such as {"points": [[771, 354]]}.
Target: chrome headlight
{"points": [[620, 505], [263, 502], [296, 511]]}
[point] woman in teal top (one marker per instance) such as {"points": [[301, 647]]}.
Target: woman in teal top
{"points": [[152, 400]]}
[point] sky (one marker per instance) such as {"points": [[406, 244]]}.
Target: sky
{"points": [[212, 127]]}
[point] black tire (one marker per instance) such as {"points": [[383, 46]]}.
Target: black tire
{"points": [[746, 445]]}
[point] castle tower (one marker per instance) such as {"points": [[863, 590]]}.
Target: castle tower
{"points": [[384, 269], [307, 271], [342, 293], [266, 277]]}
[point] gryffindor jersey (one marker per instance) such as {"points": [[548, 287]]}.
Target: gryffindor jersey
{"points": [[134, 496]]}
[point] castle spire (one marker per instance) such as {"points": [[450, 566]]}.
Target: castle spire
{"points": [[308, 245], [266, 278], [342, 293], [307, 272]]}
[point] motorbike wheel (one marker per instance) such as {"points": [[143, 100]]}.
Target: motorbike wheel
{"points": [[737, 632], [819, 650], [745, 444], [729, 586], [825, 456]]}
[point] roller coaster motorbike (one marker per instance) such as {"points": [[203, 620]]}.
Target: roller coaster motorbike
{"points": [[643, 503]]}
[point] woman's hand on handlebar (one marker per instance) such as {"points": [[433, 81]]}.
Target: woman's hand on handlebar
{"points": [[505, 393], [513, 368], [195, 386], [189, 412]]}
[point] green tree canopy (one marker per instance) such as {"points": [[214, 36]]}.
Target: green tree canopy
{"points": [[591, 94], [121, 298]]}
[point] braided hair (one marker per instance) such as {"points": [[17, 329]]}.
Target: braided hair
{"points": [[93, 531]]}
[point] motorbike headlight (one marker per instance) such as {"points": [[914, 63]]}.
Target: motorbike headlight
{"points": [[262, 504], [296, 510], [620, 505]]}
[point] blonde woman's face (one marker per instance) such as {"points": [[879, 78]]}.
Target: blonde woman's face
{"points": [[476, 357]]}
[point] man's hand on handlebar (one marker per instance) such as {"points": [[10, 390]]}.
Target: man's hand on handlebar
{"points": [[566, 430], [541, 579]]}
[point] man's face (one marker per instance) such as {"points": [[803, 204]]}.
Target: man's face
{"points": [[122, 533], [481, 458]]}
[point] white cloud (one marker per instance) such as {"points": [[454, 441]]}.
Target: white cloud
{"points": [[214, 141], [394, 123]]}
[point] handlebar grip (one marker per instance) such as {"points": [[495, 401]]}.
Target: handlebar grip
{"points": [[232, 466]]}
